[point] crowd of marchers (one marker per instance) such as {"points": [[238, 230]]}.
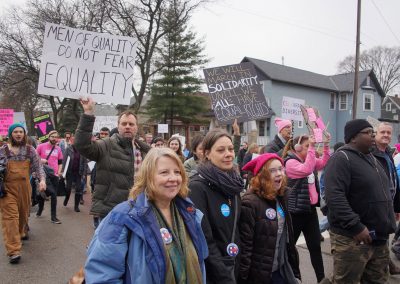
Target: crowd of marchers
{"points": [[221, 213]]}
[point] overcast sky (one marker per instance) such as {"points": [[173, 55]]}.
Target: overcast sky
{"points": [[313, 35]]}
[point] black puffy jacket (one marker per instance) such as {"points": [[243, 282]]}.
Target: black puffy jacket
{"points": [[258, 236]]}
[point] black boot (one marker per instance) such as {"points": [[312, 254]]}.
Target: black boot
{"points": [[66, 198], [77, 200]]}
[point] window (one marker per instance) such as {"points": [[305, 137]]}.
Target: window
{"points": [[261, 128], [268, 126], [368, 102], [396, 117], [343, 102], [332, 101], [388, 107], [300, 124]]}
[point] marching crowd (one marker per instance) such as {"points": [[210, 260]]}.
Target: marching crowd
{"points": [[164, 215]]}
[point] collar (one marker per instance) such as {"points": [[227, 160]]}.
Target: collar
{"points": [[281, 138]]}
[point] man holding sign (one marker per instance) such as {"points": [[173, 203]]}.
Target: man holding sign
{"points": [[118, 158]]}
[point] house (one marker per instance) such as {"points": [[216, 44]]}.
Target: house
{"points": [[390, 112], [331, 95]]}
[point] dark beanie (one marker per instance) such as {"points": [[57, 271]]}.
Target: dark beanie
{"points": [[13, 126], [353, 127]]}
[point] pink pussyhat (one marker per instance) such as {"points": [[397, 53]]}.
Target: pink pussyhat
{"points": [[256, 164], [282, 123]]}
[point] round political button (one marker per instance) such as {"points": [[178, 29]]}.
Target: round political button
{"points": [[232, 249], [270, 213], [225, 210], [166, 236]]}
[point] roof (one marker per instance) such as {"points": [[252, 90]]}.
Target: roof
{"points": [[395, 99], [338, 83]]}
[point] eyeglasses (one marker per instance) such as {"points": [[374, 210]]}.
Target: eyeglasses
{"points": [[274, 171], [370, 132]]}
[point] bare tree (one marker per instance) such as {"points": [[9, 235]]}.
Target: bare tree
{"points": [[142, 20], [385, 61]]}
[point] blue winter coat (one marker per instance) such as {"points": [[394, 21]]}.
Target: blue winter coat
{"points": [[127, 246]]}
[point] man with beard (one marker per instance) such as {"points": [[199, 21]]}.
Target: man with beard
{"points": [[51, 157], [382, 153], [360, 208], [20, 160], [118, 158]]}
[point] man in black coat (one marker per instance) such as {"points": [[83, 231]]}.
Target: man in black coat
{"points": [[284, 132], [383, 154], [360, 208]]}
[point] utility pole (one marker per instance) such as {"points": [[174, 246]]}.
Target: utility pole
{"points": [[357, 63]]}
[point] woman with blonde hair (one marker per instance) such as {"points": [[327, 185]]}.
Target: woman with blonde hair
{"points": [[155, 236], [269, 252]]}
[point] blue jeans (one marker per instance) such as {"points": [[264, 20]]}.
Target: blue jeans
{"points": [[324, 225]]}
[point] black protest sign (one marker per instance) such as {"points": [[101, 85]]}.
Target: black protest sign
{"points": [[43, 126], [236, 93]]}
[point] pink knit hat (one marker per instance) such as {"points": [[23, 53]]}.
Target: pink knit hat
{"points": [[256, 164], [282, 123]]}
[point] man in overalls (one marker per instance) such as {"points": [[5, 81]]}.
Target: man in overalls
{"points": [[21, 160]]}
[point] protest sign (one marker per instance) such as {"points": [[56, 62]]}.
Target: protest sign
{"points": [[236, 93], [291, 108], [105, 121], [162, 128], [77, 63], [19, 117], [6, 119], [314, 122], [43, 126]]}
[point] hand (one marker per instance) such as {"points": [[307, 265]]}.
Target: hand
{"points": [[44, 161], [42, 185], [87, 105], [235, 127], [311, 140], [60, 174], [327, 138], [363, 237]]}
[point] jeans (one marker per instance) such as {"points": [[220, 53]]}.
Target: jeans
{"points": [[324, 225], [51, 190]]}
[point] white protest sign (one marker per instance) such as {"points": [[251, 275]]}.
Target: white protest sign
{"points": [[105, 121], [162, 128], [19, 117], [291, 108], [79, 63]]}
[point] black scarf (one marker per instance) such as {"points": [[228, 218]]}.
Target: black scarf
{"points": [[228, 183]]}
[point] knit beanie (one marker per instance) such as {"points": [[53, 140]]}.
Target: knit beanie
{"points": [[256, 164], [13, 126], [281, 123], [353, 127]]}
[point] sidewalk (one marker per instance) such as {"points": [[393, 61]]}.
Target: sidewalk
{"points": [[307, 271]]}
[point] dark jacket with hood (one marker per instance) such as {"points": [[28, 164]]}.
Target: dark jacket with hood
{"points": [[391, 172], [357, 194], [217, 227], [275, 146], [114, 165], [258, 236]]}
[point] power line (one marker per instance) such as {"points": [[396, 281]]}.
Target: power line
{"points": [[289, 23], [387, 24]]}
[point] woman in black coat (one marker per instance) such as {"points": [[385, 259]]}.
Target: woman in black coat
{"points": [[215, 190], [268, 252]]}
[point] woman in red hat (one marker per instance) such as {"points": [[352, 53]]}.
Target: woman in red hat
{"points": [[268, 253]]}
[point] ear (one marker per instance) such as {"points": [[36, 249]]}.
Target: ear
{"points": [[206, 153]]}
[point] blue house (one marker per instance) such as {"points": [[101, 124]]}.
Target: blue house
{"points": [[331, 95]]}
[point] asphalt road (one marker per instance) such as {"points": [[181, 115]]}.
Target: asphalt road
{"points": [[55, 252]]}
